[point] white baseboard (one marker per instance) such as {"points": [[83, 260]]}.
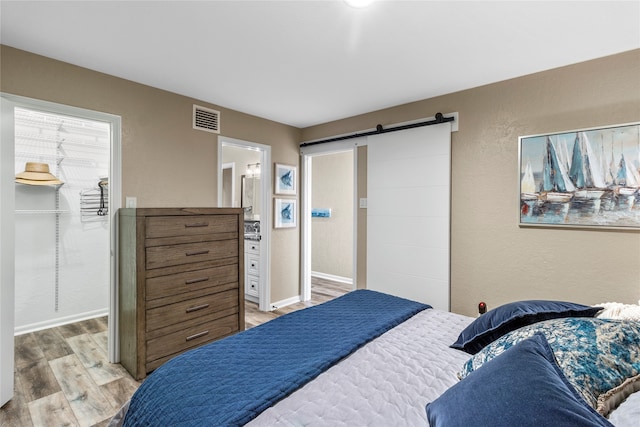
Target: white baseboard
{"points": [[347, 280], [32, 327], [252, 298], [285, 302]]}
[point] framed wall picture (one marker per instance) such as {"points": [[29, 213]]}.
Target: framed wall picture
{"points": [[285, 179], [581, 178], [285, 213]]}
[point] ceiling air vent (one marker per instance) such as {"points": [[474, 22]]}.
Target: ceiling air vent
{"points": [[206, 119]]}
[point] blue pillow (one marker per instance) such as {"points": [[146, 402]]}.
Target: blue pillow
{"points": [[597, 356], [509, 317], [521, 387]]}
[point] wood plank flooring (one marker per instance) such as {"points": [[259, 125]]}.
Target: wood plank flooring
{"points": [[321, 291], [63, 377]]}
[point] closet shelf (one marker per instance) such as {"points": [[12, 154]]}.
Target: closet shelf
{"points": [[64, 127], [39, 140], [62, 160], [56, 186], [42, 211]]}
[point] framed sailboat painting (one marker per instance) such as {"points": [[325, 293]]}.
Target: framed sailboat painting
{"points": [[581, 178]]}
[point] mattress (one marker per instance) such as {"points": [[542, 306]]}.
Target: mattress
{"points": [[389, 380]]}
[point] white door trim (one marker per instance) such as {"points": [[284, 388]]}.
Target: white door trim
{"points": [[265, 212], [305, 217], [7, 233], [115, 191]]}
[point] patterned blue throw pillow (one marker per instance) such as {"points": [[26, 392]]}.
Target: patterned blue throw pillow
{"points": [[596, 355]]}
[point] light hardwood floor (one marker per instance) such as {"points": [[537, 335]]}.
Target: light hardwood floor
{"points": [[63, 377]]}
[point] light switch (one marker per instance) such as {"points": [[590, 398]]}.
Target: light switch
{"points": [[363, 203], [130, 202]]}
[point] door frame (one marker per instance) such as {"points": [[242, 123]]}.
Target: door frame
{"points": [[265, 212], [307, 153], [7, 247], [7, 223]]}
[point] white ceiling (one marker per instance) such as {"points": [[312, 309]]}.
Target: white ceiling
{"points": [[309, 62]]}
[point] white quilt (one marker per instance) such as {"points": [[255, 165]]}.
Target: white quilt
{"points": [[386, 383]]}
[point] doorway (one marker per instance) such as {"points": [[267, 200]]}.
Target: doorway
{"points": [[251, 183], [332, 216], [52, 209], [329, 221], [61, 226]]}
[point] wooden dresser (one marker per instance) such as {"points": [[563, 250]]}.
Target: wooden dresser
{"points": [[181, 281]]}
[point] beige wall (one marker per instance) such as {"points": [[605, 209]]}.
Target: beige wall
{"points": [[492, 259], [332, 238], [165, 163]]}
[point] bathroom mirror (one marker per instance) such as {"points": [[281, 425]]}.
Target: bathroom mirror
{"points": [[250, 188]]}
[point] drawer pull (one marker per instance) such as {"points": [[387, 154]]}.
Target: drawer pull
{"points": [[198, 335], [197, 253], [197, 224], [196, 308], [192, 281]]}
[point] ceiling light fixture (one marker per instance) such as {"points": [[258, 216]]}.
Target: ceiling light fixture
{"points": [[358, 3]]}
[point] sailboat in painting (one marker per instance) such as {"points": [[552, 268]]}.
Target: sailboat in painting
{"points": [[528, 184], [607, 168], [556, 185], [627, 178], [585, 171]]}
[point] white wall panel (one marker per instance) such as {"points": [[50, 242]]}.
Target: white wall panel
{"points": [[403, 233], [408, 216]]}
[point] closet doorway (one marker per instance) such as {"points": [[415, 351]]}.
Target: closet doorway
{"points": [[244, 180], [61, 226], [60, 180]]}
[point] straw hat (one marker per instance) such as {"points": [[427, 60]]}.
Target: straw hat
{"points": [[37, 174]]}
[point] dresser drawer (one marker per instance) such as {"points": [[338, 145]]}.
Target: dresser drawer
{"points": [[180, 341], [168, 226], [163, 286], [183, 311], [168, 255]]}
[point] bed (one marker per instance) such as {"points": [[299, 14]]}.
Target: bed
{"points": [[372, 359]]}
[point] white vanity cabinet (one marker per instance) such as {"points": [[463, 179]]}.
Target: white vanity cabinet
{"points": [[252, 270]]}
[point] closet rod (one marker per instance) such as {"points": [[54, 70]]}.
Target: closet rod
{"points": [[439, 119]]}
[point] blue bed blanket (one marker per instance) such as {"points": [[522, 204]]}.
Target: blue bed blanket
{"points": [[231, 381]]}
